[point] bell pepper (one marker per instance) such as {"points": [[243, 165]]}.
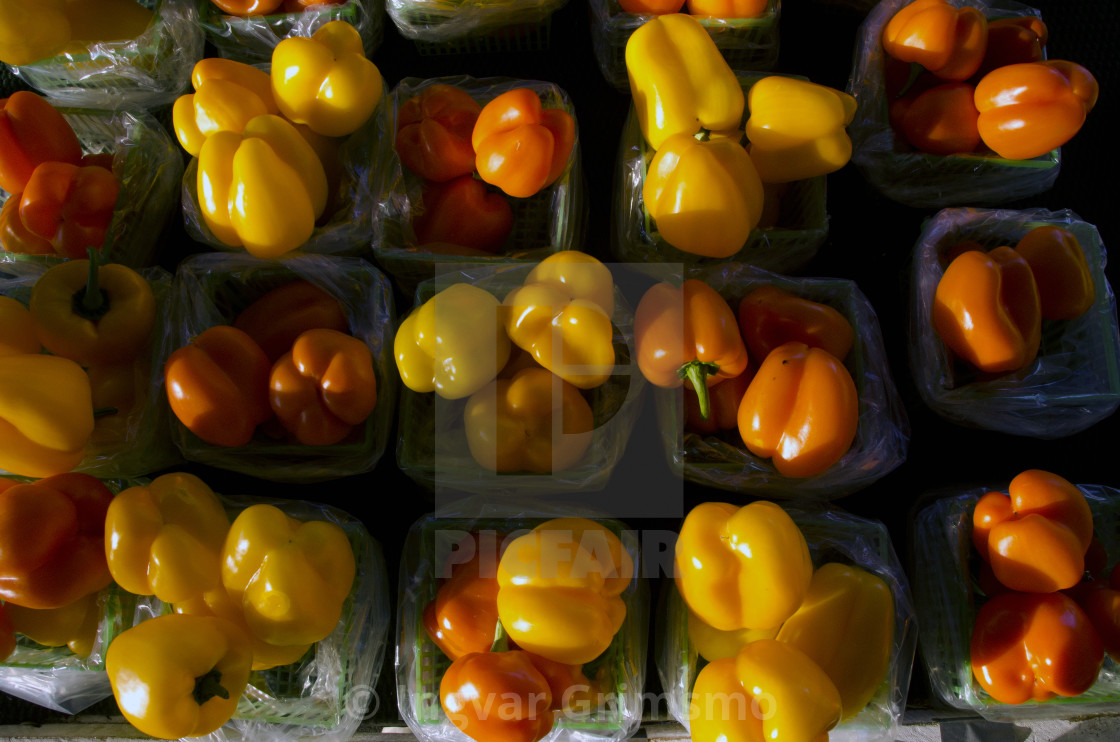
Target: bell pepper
{"points": [[179, 676], [217, 386], [534, 422], [723, 405], [51, 540], [17, 333], [263, 188], [796, 128], [462, 211], [463, 617], [32, 132], [727, 8], [31, 30], [91, 312], [987, 310], [1065, 284], [291, 577], [942, 120], [560, 589], [69, 206], [446, 345], [278, 317], [1101, 603], [687, 334], [323, 387], [165, 538], [801, 410], [561, 315], [73, 626], [948, 41], [497, 697], [704, 196], [15, 236], [1029, 109], [742, 567], [1013, 41], [770, 316], [434, 130], [119, 394], [46, 414], [519, 146], [94, 21], [227, 95], [651, 7], [713, 644], [326, 81], [1037, 534], [846, 626], [679, 80], [247, 8], [1034, 647]]}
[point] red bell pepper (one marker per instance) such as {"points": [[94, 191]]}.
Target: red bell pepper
{"points": [[434, 132], [32, 132], [464, 212]]}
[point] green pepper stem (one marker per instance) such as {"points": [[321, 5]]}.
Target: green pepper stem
{"points": [[92, 298], [208, 686], [101, 412], [915, 72], [697, 372], [501, 638]]}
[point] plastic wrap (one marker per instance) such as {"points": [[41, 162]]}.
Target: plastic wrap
{"points": [[431, 442], [252, 39], [619, 671], [212, 289], [924, 180], [833, 536], [882, 436], [801, 226], [1075, 379], [947, 598], [451, 26], [347, 231], [149, 71], [148, 164], [746, 43], [547, 222]]}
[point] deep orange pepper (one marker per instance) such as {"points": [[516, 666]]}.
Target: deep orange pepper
{"points": [[464, 212], [434, 132], [723, 410], [571, 689], [1012, 41], [32, 132], [70, 206], [247, 8], [497, 697], [519, 146], [1065, 285], [727, 8], [948, 41], [651, 7], [463, 617], [1101, 603], [801, 410], [770, 316], [15, 236], [941, 120], [280, 316]]}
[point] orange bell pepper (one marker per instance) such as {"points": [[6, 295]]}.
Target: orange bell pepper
{"points": [[687, 333], [69, 206], [723, 405], [463, 212], [247, 8], [941, 120], [801, 410], [17, 331], [463, 617], [14, 234], [323, 387], [770, 316], [434, 132], [727, 8], [986, 309], [497, 697], [948, 41], [651, 7], [280, 316], [1065, 285], [32, 132], [1028, 109], [520, 147], [1013, 41]]}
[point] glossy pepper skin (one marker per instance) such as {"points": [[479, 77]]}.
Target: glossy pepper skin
{"points": [[73, 626], [742, 567], [801, 410], [248, 8], [987, 310], [165, 538], [217, 386], [14, 234], [434, 132], [687, 333], [1030, 108], [705, 196], [520, 146], [727, 8], [723, 405], [1065, 283], [179, 676], [713, 644], [227, 95], [446, 345], [679, 80], [497, 697], [941, 120], [32, 132], [51, 534], [46, 414], [463, 211], [291, 577], [463, 617], [561, 315], [560, 589], [1013, 41], [278, 317], [69, 206], [326, 81], [948, 41], [770, 316], [323, 387]]}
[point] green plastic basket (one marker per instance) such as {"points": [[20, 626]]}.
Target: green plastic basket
{"points": [[252, 39]]}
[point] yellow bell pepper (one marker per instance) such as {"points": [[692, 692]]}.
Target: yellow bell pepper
{"points": [[17, 331], [797, 129], [46, 414], [73, 625], [263, 188], [291, 577], [705, 196], [165, 538], [742, 567], [561, 316], [713, 644], [227, 95], [560, 588], [846, 626], [326, 81], [680, 81], [446, 345], [31, 30]]}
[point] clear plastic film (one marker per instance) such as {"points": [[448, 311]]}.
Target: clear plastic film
{"points": [[923, 180], [947, 596], [453, 26], [833, 535], [149, 71], [552, 220], [883, 432], [1074, 381], [212, 289], [486, 527]]}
